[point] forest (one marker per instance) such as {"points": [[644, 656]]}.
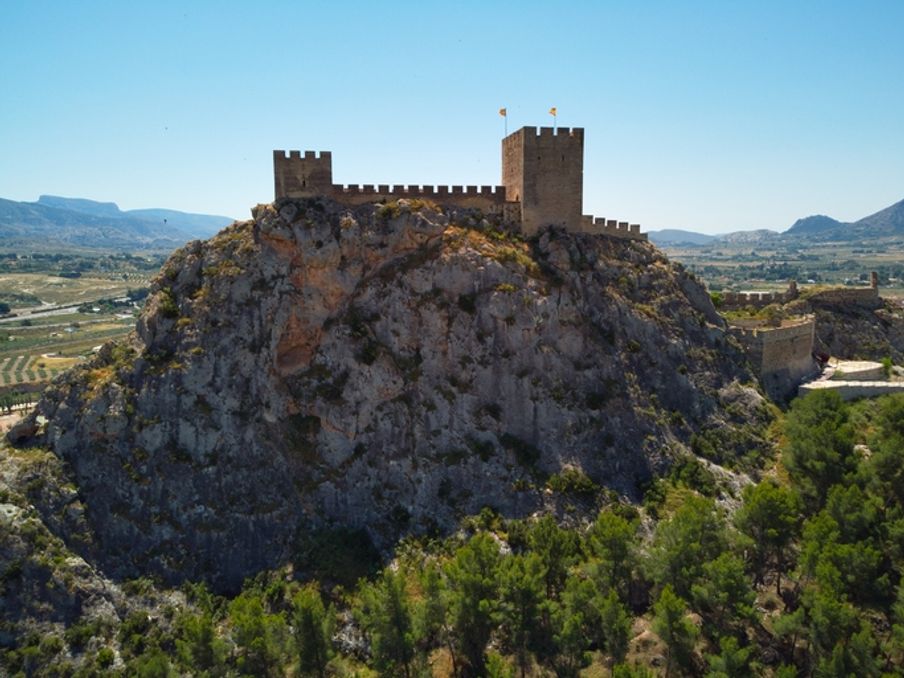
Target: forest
{"points": [[799, 575]]}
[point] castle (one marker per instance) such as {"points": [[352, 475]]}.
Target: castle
{"points": [[542, 184]]}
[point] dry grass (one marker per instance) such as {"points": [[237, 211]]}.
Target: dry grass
{"points": [[55, 290]]}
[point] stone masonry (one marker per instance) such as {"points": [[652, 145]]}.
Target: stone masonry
{"points": [[542, 184], [781, 356]]}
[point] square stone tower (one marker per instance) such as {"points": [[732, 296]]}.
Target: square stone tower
{"points": [[302, 176], [544, 171]]}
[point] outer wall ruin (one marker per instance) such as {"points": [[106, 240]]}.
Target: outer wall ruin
{"points": [[781, 356]]}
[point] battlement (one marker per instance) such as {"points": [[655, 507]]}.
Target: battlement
{"points": [[414, 190], [542, 184], [553, 132], [298, 176], [611, 228], [755, 299], [734, 300], [308, 155], [859, 296]]}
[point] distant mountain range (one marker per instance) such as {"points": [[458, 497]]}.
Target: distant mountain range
{"points": [[54, 221], [886, 223]]}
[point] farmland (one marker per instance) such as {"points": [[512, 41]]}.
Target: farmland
{"points": [[55, 322]]}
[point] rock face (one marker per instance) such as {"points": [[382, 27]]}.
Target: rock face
{"points": [[391, 367], [856, 331]]}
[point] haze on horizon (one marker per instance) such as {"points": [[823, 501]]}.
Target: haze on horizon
{"points": [[703, 116]]}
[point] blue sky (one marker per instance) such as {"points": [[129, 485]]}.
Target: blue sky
{"points": [[709, 116]]}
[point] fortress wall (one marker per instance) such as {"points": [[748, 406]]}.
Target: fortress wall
{"points": [[781, 356], [755, 299], [611, 228], [489, 198], [860, 296]]}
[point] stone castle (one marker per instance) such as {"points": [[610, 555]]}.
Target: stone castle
{"points": [[542, 184]]}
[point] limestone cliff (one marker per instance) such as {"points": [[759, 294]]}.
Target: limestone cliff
{"points": [[392, 367]]}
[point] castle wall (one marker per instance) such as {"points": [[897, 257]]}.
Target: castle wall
{"points": [[758, 299], [310, 175], [781, 356], [543, 169], [858, 296], [611, 228], [542, 184], [487, 198]]}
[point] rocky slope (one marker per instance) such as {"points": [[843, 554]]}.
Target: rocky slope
{"points": [[854, 331], [389, 367]]}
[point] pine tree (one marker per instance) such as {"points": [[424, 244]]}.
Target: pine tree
{"points": [[385, 614], [312, 631], [671, 624]]}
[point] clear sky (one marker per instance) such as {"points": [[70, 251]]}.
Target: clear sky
{"points": [[708, 116]]}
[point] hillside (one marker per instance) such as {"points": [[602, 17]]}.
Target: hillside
{"points": [[674, 236], [818, 223], [387, 368], [58, 222]]}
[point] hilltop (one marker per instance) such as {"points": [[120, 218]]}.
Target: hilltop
{"points": [[386, 367]]}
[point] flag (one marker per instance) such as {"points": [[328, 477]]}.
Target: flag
{"points": [[552, 111], [503, 112]]}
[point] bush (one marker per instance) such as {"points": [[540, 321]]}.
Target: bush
{"points": [[572, 481]]}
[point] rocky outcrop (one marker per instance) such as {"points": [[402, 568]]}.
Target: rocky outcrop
{"points": [[856, 331], [390, 367]]}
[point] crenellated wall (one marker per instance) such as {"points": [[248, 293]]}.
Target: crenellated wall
{"points": [[732, 300], [489, 198], [310, 175], [542, 184], [612, 228]]}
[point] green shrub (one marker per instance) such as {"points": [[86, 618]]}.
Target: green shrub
{"points": [[167, 303], [572, 481]]}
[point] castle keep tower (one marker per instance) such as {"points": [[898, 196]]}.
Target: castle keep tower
{"points": [[544, 171], [298, 176]]}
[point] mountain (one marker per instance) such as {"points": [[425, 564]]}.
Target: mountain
{"points": [[54, 221], [195, 225], [818, 223], [885, 223], [889, 221], [741, 237], [674, 236], [387, 369]]}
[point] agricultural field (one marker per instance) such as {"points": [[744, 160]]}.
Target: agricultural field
{"points": [[768, 265], [54, 322]]}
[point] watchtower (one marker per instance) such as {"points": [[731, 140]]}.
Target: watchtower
{"points": [[543, 170], [298, 176]]}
